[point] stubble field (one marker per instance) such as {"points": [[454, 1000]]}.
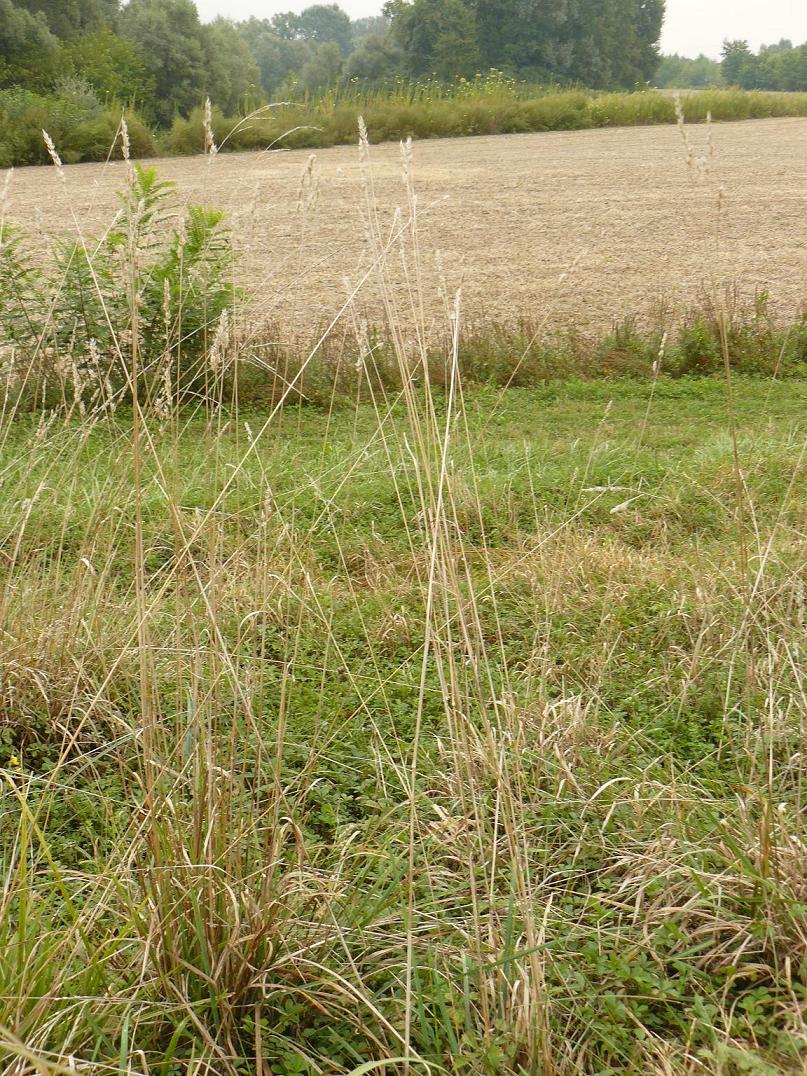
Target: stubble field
{"points": [[580, 228]]}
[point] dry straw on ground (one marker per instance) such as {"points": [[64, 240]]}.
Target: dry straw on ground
{"points": [[503, 216]]}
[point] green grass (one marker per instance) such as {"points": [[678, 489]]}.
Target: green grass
{"points": [[243, 822], [433, 703], [487, 105], [478, 109]]}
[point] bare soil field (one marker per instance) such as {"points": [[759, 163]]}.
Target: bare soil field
{"points": [[579, 228]]}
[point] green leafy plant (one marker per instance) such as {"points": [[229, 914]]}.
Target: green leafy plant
{"points": [[21, 292], [165, 290]]}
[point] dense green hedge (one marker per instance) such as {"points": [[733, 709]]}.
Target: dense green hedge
{"points": [[84, 130], [80, 126], [332, 120]]}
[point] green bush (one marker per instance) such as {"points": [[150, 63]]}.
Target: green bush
{"points": [[166, 287], [81, 127], [84, 129], [23, 115]]}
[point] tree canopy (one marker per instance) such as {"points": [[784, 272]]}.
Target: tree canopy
{"points": [[22, 33], [774, 67], [170, 37], [113, 66], [595, 42], [27, 47], [70, 18], [437, 37], [159, 56]]}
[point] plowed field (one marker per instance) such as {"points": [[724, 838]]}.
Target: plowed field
{"points": [[580, 228]]}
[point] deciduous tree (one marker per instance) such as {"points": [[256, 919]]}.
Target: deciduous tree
{"points": [[437, 37], [232, 79], [27, 47], [277, 56], [375, 59], [172, 43], [740, 65], [596, 42], [326, 24], [70, 18]]}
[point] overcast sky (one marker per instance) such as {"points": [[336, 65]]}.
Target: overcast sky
{"points": [[693, 26]]}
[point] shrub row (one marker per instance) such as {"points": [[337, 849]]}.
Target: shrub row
{"points": [[521, 356], [84, 129], [332, 121]]}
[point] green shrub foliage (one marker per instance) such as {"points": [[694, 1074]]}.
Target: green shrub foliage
{"points": [[148, 291]]}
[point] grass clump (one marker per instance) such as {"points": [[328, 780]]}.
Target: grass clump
{"points": [[522, 354]]}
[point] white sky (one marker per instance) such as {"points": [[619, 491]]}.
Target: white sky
{"points": [[693, 26]]}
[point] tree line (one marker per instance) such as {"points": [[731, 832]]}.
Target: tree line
{"points": [[600, 43], [775, 67], [158, 57]]}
